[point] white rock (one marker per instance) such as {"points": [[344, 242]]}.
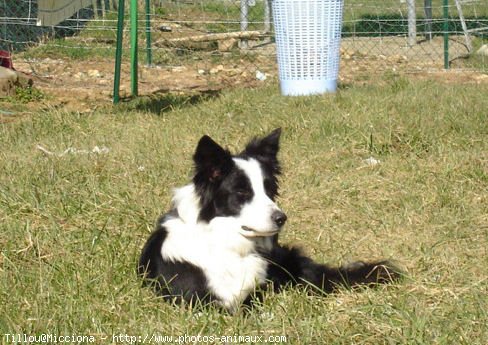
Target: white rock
{"points": [[260, 76], [483, 50], [93, 73], [371, 161]]}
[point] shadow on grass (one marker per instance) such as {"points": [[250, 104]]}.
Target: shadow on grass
{"points": [[161, 103]]}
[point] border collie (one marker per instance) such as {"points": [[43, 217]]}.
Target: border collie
{"points": [[219, 243]]}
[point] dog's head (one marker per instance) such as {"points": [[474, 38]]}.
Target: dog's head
{"points": [[242, 187]]}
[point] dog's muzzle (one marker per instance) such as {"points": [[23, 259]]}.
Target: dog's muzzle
{"points": [[278, 218]]}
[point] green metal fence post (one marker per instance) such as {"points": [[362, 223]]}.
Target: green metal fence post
{"points": [[446, 33], [148, 34], [133, 46], [118, 51]]}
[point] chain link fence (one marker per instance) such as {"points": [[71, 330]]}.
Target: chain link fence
{"points": [[213, 43]]}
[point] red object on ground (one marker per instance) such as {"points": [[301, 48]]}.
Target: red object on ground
{"points": [[6, 60]]}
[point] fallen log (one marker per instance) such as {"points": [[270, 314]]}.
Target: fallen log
{"points": [[209, 38]]}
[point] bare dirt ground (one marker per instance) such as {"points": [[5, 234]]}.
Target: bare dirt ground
{"points": [[85, 85]]}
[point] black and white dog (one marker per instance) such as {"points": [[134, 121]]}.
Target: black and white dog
{"points": [[219, 243]]}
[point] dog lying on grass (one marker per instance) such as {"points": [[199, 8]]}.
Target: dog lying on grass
{"points": [[219, 242]]}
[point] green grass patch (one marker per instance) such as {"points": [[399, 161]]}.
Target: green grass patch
{"points": [[72, 225], [70, 49], [28, 94]]}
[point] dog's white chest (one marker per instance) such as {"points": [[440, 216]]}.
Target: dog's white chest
{"points": [[232, 268], [233, 281]]}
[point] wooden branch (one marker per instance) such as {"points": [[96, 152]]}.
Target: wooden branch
{"points": [[210, 37], [90, 39]]}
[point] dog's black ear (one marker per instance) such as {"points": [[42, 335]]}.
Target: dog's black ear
{"points": [[266, 148], [212, 162]]}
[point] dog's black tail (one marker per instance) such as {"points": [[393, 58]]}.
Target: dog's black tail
{"points": [[289, 265]]}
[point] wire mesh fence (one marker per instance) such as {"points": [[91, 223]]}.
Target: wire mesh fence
{"points": [[220, 42]]}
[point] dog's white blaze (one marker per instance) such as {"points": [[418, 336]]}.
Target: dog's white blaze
{"points": [[257, 213]]}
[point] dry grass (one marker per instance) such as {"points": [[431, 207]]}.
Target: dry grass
{"points": [[71, 227]]}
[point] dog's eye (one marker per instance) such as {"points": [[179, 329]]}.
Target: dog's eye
{"points": [[243, 193]]}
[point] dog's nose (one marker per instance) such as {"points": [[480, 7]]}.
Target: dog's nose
{"points": [[279, 218]]}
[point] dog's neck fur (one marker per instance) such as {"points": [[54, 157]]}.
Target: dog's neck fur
{"points": [[187, 203]]}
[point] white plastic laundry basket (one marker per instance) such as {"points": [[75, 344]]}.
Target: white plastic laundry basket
{"points": [[308, 34]]}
